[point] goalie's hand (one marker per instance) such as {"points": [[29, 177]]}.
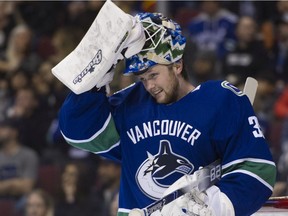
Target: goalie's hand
{"points": [[133, 45], [135, 40], [211, 202], [106, 80], [108, 40], [187, 205]]}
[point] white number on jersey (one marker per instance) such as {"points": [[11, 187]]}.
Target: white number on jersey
{"points": [[215, 172], [254, 122]]}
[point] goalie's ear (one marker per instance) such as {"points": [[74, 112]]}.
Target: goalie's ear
{"points": [[178, 67]]}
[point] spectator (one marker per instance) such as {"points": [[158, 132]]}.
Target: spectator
{"points": [[33, 122], [39, 203], [63, 41], [43, 17], [248, 56], [213, 28], [262, 11], [281, 113], [203, 67], [242, 8], [81, 14], [184, 11], [7, 21], [51, 92], [5, 98], [73, 198], [18, 80], [281, 105], [19, 54], [264, 102], [281, 10], [18, 163], [108, 178], [280, 51], [281, 188]]}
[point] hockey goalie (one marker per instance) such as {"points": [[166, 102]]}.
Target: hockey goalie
{"points": [[163, 130]]}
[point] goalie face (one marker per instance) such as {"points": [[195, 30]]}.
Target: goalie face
{"points": [[164, 43], [163, 82]]}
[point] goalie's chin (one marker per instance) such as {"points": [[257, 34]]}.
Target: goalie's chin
{"points": [[163, 98]]}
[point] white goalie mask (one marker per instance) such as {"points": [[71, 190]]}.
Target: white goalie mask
{"points": [[164, 43]]}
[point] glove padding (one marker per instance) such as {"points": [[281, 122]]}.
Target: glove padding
{"points": [[136, 39], [189, 204], [211, 202], [106, 42], [133, 45]]}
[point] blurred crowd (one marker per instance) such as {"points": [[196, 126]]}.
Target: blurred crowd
{"points": [[40, 174]]}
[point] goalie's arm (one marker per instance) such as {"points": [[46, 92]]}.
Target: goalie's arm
{"points": [[86, 122], [248, 168]]}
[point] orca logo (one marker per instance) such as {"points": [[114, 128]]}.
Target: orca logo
{"points": [[160, 168]]}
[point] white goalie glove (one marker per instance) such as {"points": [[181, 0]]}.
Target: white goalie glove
{"points": [[109, 37], [211, 202]]}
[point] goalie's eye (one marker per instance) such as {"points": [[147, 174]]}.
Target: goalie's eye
{"points": [[152, 76]]}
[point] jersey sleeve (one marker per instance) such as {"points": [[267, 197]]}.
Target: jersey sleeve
{"points": [[86, 122], [248, 169]]}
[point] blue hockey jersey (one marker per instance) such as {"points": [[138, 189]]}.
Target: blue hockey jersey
{"points": [[158, 143], [214, 33]]}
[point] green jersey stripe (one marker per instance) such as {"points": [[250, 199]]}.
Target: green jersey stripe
{"points": [[92, 137], [260, 169], [104, 141], [123, 212]]}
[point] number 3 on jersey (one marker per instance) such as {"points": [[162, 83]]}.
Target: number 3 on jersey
{"points": [[254, 122]]}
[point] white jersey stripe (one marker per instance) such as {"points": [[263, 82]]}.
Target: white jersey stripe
{"points": [[93, 136], [124, 210], [256, 160], [107, 150], [252, 175]]}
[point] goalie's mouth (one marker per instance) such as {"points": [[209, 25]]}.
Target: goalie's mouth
{"points": [[156, 93]]}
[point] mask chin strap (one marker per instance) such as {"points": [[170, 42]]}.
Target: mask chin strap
{"points": [[151, 31]]}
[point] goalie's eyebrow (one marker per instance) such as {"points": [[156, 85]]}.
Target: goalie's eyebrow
{"points": [[149, 76], [141, 72]]}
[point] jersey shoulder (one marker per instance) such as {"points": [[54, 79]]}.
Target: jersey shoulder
{"points": [[221, 91], [131, 94], [222, 95]]}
